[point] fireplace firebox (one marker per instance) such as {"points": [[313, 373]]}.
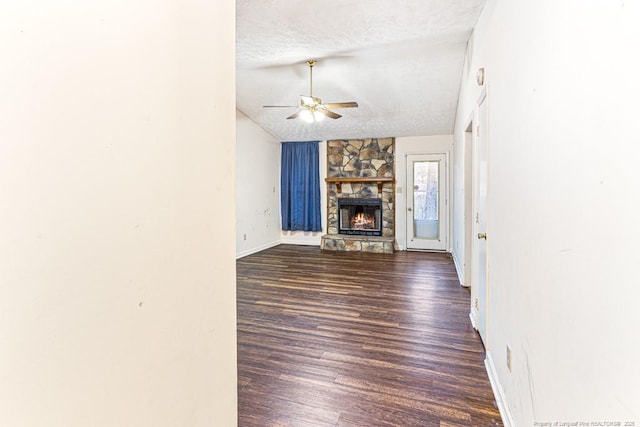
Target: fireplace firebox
{"points": [[360, 216]]}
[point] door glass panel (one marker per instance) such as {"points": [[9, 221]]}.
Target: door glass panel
{"points": [[426, 221]]}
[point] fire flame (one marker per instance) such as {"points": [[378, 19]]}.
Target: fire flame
{"points": [[362, 222]]}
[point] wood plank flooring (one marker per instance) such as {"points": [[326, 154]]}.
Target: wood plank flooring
{"points": [[357, 339]]}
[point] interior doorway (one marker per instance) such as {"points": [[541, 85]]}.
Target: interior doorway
{"points": [[467, 195]]}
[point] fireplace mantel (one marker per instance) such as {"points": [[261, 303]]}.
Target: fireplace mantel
{"points": [[374, 179]]}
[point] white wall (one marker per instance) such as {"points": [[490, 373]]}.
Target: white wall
{"points": [[404, 147], [258, 188], [117, 282], [563, 205], [307, 237]]}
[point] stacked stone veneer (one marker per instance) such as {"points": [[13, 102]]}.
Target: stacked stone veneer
{"points": [[360, 158]]}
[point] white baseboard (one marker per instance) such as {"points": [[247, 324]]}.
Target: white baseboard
{"points": [[460, 271], [498, 393], [306, 238], [250, 251], [472, 316], [456, 264]]}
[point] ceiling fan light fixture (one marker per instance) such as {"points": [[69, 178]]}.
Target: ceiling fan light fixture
{"points": [[306, 116], [310, 116]]}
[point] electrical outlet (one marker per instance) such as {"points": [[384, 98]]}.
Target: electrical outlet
{"points": [[477, 304], [508, 358], [244, 236]]}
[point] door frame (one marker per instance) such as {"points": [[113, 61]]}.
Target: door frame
{"points": [[445, 210]]}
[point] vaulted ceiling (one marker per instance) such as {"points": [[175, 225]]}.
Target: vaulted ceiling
{"points": [[401, 61]]}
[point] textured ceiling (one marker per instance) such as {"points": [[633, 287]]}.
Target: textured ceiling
{"points": [[401, 61]]}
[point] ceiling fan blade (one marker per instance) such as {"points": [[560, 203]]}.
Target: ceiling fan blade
{"points": [[330, 114], [279, 106], [351, 104], [295, 115]]}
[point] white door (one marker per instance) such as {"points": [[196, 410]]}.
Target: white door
{"points": [[427, 204], [479, 280]]}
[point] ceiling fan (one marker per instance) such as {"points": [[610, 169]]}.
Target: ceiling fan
{"points": [[312, 108]]}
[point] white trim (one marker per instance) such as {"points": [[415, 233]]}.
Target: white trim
{"points": [[467, 197], [257, 249], [306, 238], [459, 269], [498, 393], [483, 94], [472, 316]]}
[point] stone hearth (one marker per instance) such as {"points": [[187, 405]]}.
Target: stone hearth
{"points": [[341, 242], [360, 168]]}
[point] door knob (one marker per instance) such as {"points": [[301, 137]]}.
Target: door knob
{"points": [[409, 209], [482, 236]]}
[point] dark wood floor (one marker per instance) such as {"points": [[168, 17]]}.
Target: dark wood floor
{"points": [[356, 339]]}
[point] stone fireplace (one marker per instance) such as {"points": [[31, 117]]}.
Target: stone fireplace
{"points": [[360, 189]]}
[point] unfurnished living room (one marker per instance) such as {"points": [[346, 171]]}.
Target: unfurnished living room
{"points": [[279, 213]]}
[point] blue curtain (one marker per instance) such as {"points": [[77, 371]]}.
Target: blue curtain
{"points": [[300, 186]]}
